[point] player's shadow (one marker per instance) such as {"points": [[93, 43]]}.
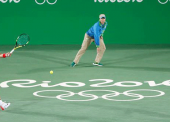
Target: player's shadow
{"points": [[115, 63], [65, 62], [59, 63], [137, 57], [155, 69], [44, 57]]}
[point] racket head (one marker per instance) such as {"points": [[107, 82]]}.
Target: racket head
{"points": [[22, 40]]}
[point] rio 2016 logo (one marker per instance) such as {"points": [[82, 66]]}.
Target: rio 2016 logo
{"points": [[40, 3], [163, 1], [10, 1], [89, 95]]}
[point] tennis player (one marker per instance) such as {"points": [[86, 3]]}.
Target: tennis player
{"points": [[4, 105], [94, 34]]}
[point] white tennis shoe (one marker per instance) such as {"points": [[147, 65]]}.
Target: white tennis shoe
{"points": [[5, 105]]}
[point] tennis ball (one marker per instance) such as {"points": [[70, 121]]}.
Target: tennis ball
{"points": [[51, 72]]}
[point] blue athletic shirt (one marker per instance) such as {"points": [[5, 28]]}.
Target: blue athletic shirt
{"points": [[96, 31]]}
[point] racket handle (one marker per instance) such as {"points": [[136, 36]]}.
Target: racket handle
{"points": [[12, 51]]}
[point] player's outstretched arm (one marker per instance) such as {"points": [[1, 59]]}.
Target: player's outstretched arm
{"points": [[5, 55]]}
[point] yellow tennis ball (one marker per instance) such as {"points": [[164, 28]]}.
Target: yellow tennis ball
{"points": [[51, 72]]}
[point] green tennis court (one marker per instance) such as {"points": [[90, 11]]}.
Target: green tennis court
{"points": [[133, 85], [133, 63]]}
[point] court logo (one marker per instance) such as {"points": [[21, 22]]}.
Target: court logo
{"points": [[45, 1], [119, 1], [163, 1], [10, 1], [93, 94]]}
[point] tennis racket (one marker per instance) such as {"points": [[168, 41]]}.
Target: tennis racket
{"points": [[21, 41]]}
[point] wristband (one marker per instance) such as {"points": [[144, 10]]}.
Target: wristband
{"points": [[4, 55]]}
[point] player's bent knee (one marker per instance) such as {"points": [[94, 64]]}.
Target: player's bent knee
{"points": [[83, 49]]}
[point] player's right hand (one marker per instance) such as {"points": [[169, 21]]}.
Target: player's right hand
{"points": [[8, 54]]}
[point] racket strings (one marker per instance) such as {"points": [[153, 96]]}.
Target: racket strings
{"points": [[22, 40]]}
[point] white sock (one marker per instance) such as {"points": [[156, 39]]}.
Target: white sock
{"points": [[1, 102]]}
